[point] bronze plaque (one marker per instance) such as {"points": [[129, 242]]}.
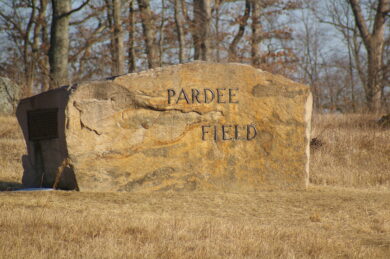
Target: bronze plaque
{"points": [[42, 124]]}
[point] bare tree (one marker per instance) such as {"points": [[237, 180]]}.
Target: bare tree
{"points": [[256, 33], [201, 34], [20, 31], [243, 21], [114, 20], [90, 31], [205, 31], [149, 29], [248, 31], [161, 34], [179, 30], [59, 41], [40, 44], [339, 15], [30, 62], [310, 39], [217, 40], [119, 60], [197, 26], [131, 49], [374, 44]]}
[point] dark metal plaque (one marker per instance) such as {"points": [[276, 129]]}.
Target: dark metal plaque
{"points": [[42, 124]]}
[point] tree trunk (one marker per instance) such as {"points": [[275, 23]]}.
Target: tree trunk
{"points": [[118, 39], [149, 33], [351, 75], [161, 32], [131, 51], [205, 29], [59, 43], [110, 24], [40, 31], [180, 31], [29, 60], [201, 30], [241, 30], [356, 55], [373, 42], [256, 30], [196, 27], [374, 79], [217, 34]]}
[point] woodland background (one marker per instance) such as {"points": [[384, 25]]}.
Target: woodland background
{"points": [[341, 48]]}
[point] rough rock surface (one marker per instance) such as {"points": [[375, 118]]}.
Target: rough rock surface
{"points": [[200, 125], [10, 94]]}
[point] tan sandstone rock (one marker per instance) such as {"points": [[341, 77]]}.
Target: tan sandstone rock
{"points": [[200, 125]]}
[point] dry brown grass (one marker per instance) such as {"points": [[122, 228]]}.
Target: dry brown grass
{"points": [[318, 223], [355, 152], [344, 213], [12, 148]]}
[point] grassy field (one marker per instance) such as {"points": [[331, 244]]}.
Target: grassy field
{"points": [[344, 213]]}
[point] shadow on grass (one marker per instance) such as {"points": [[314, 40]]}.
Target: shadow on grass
{"points": [[10, 186]]}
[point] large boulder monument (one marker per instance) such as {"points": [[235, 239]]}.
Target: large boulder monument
{"points": [[203, 126]]}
